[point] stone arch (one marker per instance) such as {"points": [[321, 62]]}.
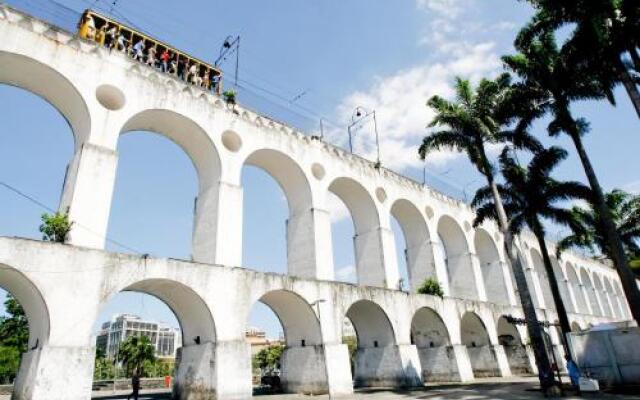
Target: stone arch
{"points": [[301, 252], [194, 372], [543, 278], [32, 302], [599, 294], [31, 75], [589, 292], [562, 285], [302, 366], [368, 249], [514, 347], [462, 282], [621, 300], [420, 264], [431, 337], [377, 360], [611, 298], [187, 134], [576, 288], [491, 266], [475, 337]]}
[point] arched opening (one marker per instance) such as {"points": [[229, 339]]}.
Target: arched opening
{"points": [[155, 188], [516, 351], [413, 247], [457, 259], [621, 300], [377, 361], [37, 143], [543, 278], [431, 337], [610, 299], [283, 238], [562, 285], [482, 355], [366, 243], [491, 267], [44, 81], [600, 296], [177, 325], [24, 323], [300, 366], [576, 288], [589, 292]]}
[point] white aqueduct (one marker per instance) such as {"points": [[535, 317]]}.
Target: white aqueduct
{"points": [[403, 338]]}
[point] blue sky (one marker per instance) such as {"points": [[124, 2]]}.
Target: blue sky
{"points": [[389, 56]]}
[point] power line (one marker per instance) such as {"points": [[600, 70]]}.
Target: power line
{"points": [[39, 203]]}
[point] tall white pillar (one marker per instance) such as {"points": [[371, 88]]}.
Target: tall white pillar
{"points": [[501, 359], [585, 295], [229, 225], [376, 262], [205, 225], [87, 194], [508, 282], [420, 264], [479, 279], [309, 247], [233, 370]]}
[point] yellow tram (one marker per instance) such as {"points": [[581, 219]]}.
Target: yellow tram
{"points": [[155, 53]]}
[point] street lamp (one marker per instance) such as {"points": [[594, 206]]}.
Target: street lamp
{"points": [[359, 115], [316, 304]]}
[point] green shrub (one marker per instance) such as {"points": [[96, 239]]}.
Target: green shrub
{"points": [[229, 96], [432, 287], [56, 227]]}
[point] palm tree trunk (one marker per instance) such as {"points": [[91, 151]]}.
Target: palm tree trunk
{"points": [[627, 278], [629, 85], [561, 310], [545, 373]]}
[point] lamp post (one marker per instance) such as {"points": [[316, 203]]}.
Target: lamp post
{"points": [[316, 304], [359, 115]]}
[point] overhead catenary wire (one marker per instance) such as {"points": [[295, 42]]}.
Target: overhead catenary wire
{"points": [[39, 203]]}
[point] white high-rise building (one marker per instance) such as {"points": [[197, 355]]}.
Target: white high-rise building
{"points": [[164, 338]]}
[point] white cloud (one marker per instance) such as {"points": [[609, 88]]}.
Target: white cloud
{"points": [[445, 8], [632, 187], [346, 274], [400, 104]]}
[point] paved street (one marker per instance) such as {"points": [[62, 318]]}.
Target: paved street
{"points": [[488, 389], [514, 389]]}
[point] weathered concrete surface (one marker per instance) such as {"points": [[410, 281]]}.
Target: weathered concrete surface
{"points": [[213, 296]]}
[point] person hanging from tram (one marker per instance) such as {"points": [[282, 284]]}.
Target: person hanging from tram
{"points": [[87, 27]]}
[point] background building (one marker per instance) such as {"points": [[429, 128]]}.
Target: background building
{"points": [[165, 339]]}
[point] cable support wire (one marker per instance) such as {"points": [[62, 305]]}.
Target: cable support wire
{"points": [[40, 204]]}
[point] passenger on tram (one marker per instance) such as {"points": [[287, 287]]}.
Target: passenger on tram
{"points": [[173, 68], [138, 50], [123, 43], [164, 60], [192, 73], [151, 56], [88, 28], [110, 37], [206, 80], [101, 35]]}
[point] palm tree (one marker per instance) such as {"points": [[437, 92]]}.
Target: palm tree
{"points": [[605, 31], [134, 352], [548, 85], [530, 195], [590, 234], [470, 123]]}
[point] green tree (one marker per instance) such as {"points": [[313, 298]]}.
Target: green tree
{"points": [[476, 119], [14, 339], [55, 227], [548, 86], [590, 234], [134, 352], [432, 287], [530, 196], [269, 357], [602, 34]]}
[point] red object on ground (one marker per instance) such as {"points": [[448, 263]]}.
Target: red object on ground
{"points": [[167, 381]]}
